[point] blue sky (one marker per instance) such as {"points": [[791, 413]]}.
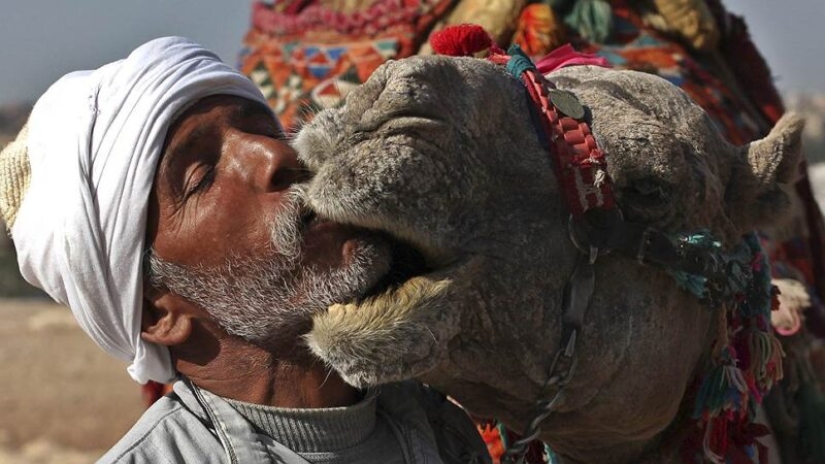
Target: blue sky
{"points": [[42, 40]]}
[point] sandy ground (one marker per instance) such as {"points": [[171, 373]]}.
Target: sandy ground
{"points": [[62, 399]]}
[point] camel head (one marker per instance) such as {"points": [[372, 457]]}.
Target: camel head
{"points": [[443, 154]]}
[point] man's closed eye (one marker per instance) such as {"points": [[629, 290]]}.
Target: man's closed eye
{"points": [[200, 180]]}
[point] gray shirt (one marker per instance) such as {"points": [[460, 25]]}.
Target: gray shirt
{"points": [[402, 423], [327, 435]]}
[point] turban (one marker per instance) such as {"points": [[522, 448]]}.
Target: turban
{"points": [[75, 190]]}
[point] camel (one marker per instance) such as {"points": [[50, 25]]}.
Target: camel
{"points": [[444, 155]]}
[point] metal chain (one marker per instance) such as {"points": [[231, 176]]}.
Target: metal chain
{"points": [[577, 298], [516, 453]]}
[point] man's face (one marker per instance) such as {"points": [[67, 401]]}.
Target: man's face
{"points": [[230, 232]]}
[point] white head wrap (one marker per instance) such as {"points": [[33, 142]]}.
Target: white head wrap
{"points": [[95, 138]]}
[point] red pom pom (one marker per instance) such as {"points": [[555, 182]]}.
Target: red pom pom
{"points": [[460, 40]]}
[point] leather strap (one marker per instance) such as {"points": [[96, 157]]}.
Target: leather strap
{"points": [[580, 165]]}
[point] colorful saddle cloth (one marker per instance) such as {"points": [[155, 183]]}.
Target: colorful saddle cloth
{"points": [[306, 54]]}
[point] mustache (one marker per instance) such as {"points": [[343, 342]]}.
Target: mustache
{"points": [[289, 224]]}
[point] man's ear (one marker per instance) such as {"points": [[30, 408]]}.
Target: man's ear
{"points": [[167, 318]]}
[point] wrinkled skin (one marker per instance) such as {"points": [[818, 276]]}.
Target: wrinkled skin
{"points": [[441, 153]]}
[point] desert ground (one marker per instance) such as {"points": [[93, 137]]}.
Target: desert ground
{"points": [[62, 399]]}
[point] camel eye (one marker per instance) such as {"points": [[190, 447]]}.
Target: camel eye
{"points": [[645, 200], [649, 188]]}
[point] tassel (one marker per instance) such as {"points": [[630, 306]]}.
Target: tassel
{"points": [[765, 353], [539, 31], [749, 360], [550, 455], [593, 19], [762, 451], [460, 40], [706, 400], [716, 439], [756, 394], [724, 388], [502, 433], [695, 284], [737, 392], [774, 365], [692, 20], [492, 439]]}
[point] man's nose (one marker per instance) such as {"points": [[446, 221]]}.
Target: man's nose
{"points": [[285, 169], [279, 167]]}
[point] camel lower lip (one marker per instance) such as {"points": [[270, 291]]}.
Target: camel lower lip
{"points": [[406, 263]]}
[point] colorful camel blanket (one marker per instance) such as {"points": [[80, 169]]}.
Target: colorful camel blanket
{"points": [[305, 55]]}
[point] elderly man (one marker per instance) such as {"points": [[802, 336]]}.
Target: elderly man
{"points": [[157, 198]]}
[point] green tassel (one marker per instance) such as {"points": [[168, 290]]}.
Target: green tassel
{"points": [[593, 19], [710, 397], [765, 353], [812, 422], [550, 455], [502, 434]]}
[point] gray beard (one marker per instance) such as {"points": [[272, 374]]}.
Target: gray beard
{"points": [[264, 299]]}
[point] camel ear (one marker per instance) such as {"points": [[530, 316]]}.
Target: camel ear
{"points": [[763, 173]]}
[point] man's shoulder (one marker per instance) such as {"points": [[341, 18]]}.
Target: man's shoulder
{"points": [[165, 433]]}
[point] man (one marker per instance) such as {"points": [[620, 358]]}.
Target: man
{"points": [[169, 165]]}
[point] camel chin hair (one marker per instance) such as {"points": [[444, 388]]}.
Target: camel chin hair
{"points": [[370, 342]]}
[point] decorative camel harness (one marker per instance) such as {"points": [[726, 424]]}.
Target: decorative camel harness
{"points": [[747, 356]]}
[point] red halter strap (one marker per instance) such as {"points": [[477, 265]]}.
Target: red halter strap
{"points": [[580, 166]]}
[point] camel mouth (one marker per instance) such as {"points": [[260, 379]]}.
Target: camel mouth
{"points": [[406, 262], [396, 330]]}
